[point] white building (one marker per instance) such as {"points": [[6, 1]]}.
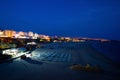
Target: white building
{"points": [[30, 34], [36, 35], [1, 32], [21, 33]]}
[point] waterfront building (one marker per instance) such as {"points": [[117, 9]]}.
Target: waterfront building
{"points": [[30, 34], [9, 33]]}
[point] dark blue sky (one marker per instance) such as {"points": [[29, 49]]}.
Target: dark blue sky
{"points": [[83, 18]]}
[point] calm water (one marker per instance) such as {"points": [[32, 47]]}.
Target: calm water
{"points": [[53, 62]]}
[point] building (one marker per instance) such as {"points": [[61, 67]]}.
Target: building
{"points": [[9, 33], [21, 33], [36, 35], [47, 38], [1, 32], [14, 33], [30, 34]]}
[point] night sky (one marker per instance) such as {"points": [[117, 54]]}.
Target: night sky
{"points": [[74, 18]]}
